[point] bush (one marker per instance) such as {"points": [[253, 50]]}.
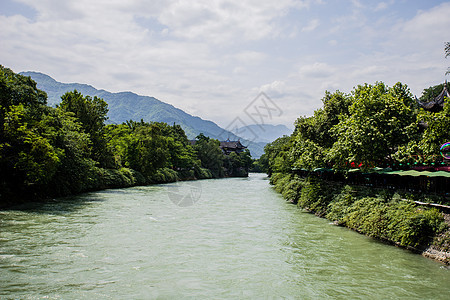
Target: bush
{"points": [[292, 190], [275, 177], [132, 177], [338, 208], [397, 221], [202, 173], [281, 183], [186, 174], [316, 195], [164, 175]]}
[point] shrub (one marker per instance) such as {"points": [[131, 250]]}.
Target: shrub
{"points": [[275, 177], [338, 208], [163, 175], [292, 190], [316, 194], [281, 183], [397, 221]]}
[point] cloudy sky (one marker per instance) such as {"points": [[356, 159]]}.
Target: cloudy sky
{"points": [[212, 58]]}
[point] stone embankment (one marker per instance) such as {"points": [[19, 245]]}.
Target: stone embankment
{"points": [[440, 248]]}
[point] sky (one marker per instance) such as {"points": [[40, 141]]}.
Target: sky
{"points": [[213, 58]]}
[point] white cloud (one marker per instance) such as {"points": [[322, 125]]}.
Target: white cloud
{"points": [[332, 42], [313, 24], [222, 21], [275, 89], [250, 57], [316, 70], [429, 25], [381, 6]]}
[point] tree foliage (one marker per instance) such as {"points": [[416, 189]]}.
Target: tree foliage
{"points": [[374, 125], [277, 155], [210, 155], [91, 113], [380, 120]]}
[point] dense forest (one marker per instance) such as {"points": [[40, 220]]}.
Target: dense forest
{"points": [[373, 127], [54, 151]]}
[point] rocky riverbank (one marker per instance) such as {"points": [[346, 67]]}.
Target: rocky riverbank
{"points": [[440, 248]]}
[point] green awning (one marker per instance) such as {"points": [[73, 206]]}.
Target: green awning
{"points": [[415, 173], [439, 174], [381, 170]]}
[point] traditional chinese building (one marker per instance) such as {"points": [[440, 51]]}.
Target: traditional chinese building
{"points": [[436, 104], [231, 146], [227, 146]]}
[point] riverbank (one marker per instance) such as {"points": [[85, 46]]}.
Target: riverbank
{"points": [[379, 213], [102, 179], [98, 179], [440, 248]]}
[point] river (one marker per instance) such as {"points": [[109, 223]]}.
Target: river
{"points": [[230, 238]]}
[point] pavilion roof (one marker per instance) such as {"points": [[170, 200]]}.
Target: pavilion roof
{"points": [[438, 102]]}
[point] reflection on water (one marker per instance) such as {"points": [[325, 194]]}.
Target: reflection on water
{"points": [[239, 240]]}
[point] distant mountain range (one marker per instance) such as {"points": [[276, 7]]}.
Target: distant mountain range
{"points": [[125, 106]]}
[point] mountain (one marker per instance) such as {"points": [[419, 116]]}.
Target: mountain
{"points": [[125, 106], [263, 133]]}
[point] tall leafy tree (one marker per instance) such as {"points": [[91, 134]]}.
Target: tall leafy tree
{"points": [[42, 149], [92, 114], [277, 155], [26, 156], [313, 136], [75, 171], [425, 148], [210, 155], [380, 120], [140, 146]]}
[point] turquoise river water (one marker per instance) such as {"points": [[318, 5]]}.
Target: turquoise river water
{"points": [[230, 238]]}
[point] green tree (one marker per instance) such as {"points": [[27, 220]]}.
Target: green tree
{"points": [[210, 155], [238, 164], [25, 154], [261, 164], [277, 152], [436, 134], [313, 136], [42, 149], [140, 146], [27, 158], [75, 172], [91, 113], [380, 120]]}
